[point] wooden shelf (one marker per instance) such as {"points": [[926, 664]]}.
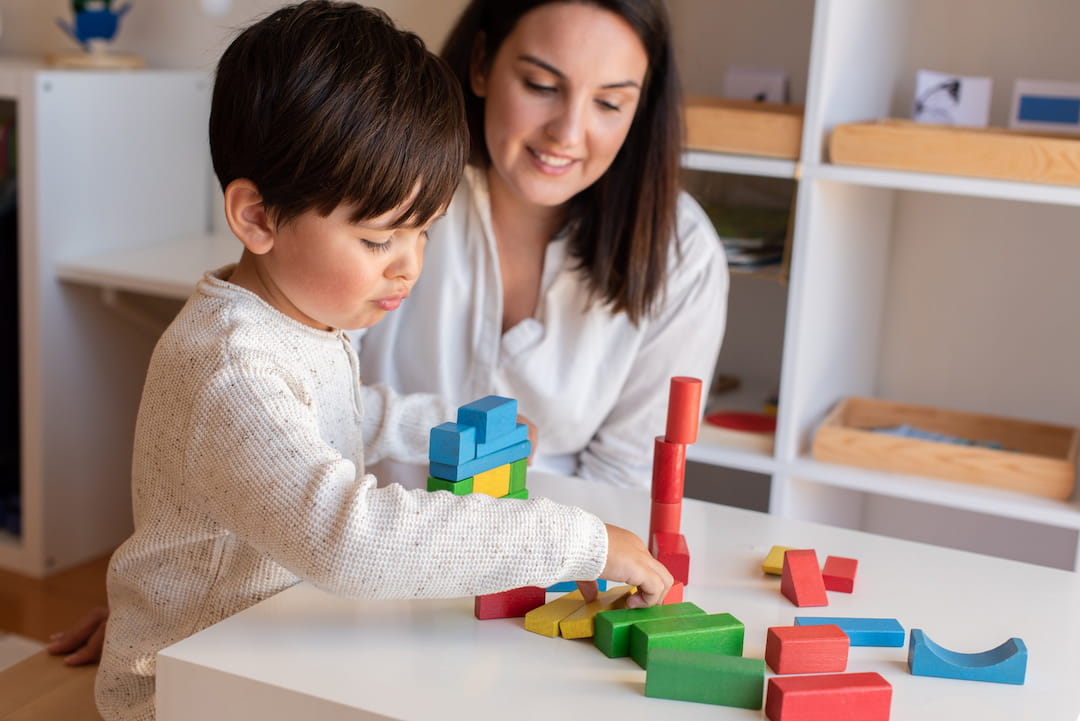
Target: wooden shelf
{"points": [[742, 127]]}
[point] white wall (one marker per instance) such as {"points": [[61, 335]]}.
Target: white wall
{"points": [[178, 34]]}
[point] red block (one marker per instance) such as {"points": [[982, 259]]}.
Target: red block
{"points": [[833, 697], [675, 595], [684, 410], [671, 550], [514, 603], [800, 580], [839, 573], [807, 649], [668, 471], [665, 518]]}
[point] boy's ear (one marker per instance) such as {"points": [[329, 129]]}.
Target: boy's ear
{"points": [[247, 216], [478, 67]]}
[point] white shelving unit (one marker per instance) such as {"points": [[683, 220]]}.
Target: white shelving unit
{"points": [[107, 162], [913, 287]]}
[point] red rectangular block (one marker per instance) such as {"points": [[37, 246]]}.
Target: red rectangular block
{"points": [[675, 595], [839, 573], [832, 697], [800, 580], [514, 603], [807, 649], [671, 550]]}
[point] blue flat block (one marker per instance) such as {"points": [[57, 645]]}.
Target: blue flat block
{"points": [[452, 444], [1006, 663], [519, 434], [484, 463], [492, 416], [885, 632], [568, 586]]}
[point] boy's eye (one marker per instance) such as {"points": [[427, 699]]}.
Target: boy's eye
{"points": [[377, 246]]}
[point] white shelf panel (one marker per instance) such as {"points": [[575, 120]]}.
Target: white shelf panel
{"points": [[968, 497], [739, 164], [168, 270], [715, 454], [951, 184]]}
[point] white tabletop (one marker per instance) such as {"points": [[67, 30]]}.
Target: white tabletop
{"points": [[304, 654]]}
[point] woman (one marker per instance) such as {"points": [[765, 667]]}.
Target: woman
{"points": [[570, 272]]}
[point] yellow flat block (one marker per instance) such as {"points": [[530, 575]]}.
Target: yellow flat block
{"points": [[495, 482], [580, 623], [774, 562], [545, 619]]}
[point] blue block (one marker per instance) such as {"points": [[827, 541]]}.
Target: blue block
{"points": [[493, 416], [478, 465], [886, 632], [1005, 664], [519, 434], [568, 586], [452, 443]]}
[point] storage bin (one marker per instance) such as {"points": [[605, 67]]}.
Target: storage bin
{"points": [[1036, 458], [743, 127]]}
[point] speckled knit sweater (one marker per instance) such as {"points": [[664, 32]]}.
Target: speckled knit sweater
{"points": [[248, 476]]}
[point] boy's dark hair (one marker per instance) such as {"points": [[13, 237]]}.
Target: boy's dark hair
{"points": [[623, 225], [323, 103]]}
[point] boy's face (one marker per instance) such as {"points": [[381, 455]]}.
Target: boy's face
{"points": [[332, 273]]}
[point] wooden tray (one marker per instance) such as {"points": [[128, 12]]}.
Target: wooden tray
{"points": [[1038, 458], [980, 152], [743, 127]]}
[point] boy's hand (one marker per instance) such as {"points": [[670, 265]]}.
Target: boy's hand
{"points": [[630, 562]]}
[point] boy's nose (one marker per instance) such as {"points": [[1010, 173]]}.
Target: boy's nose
{"points": [[408, 262]]}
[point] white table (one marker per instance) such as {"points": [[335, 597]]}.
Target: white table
{"points": [[304, 654]]}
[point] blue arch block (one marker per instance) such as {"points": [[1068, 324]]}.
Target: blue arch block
{"points": [[1005, 664]]}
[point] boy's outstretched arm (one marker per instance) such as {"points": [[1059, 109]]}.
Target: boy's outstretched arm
{"points": [[629, 562]]}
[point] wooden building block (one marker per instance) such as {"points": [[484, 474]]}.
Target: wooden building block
{"points": [[705, 678], [545, 619], [1006, 663], [684, 410], [492, 416], [829, 697], [518, 471], [714, 633], [495, 482], [459, 488], [806, 649], [668, 471], [774, 561], [839, 574], [670, 549], [612, 628], [665, 518], [480, 464], [519, 434], [800, 579], [580, 623], [452, 443], [881, 632], [675, 595], [567, 586], [522, 495], [514, 603]]}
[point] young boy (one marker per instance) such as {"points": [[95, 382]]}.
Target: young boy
{"points": [[337, 140]]}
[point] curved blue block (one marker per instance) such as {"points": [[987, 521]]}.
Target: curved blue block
{"points": [[1005, 664]]}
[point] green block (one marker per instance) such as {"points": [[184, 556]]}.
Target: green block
{"points": [[612, 635], [523, 494], [719, 633], [458, 488], [705, 678], [517, 475]]}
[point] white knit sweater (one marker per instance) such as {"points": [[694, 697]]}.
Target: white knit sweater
{"points": [[248, 477]]}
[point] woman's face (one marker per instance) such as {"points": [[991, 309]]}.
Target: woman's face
{"points": [[559, 97]]}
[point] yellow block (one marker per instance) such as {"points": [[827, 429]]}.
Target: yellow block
{"points": [[774, 562], [580, 623], [545, 619], [495, 482]]}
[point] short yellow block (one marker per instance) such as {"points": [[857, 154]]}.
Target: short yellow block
{"points": [[774, 562], [545, 619], [495, 482], [580, 623]]}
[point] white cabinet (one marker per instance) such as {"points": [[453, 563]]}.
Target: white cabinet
{"points": [[106, 162], [936, 289]]}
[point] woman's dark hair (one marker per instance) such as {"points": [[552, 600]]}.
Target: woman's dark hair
{"points": [[323, 103], [622, 226]]}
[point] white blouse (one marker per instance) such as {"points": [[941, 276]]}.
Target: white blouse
{"points": [[594, 384]]}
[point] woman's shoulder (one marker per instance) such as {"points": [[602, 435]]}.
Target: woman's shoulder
{"points": [[697, 243]]}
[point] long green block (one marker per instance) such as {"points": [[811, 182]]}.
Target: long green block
{"points": [[719, 633], [523, 494], [705, 678], [517, 475], [458, 488], [612, 634]]}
